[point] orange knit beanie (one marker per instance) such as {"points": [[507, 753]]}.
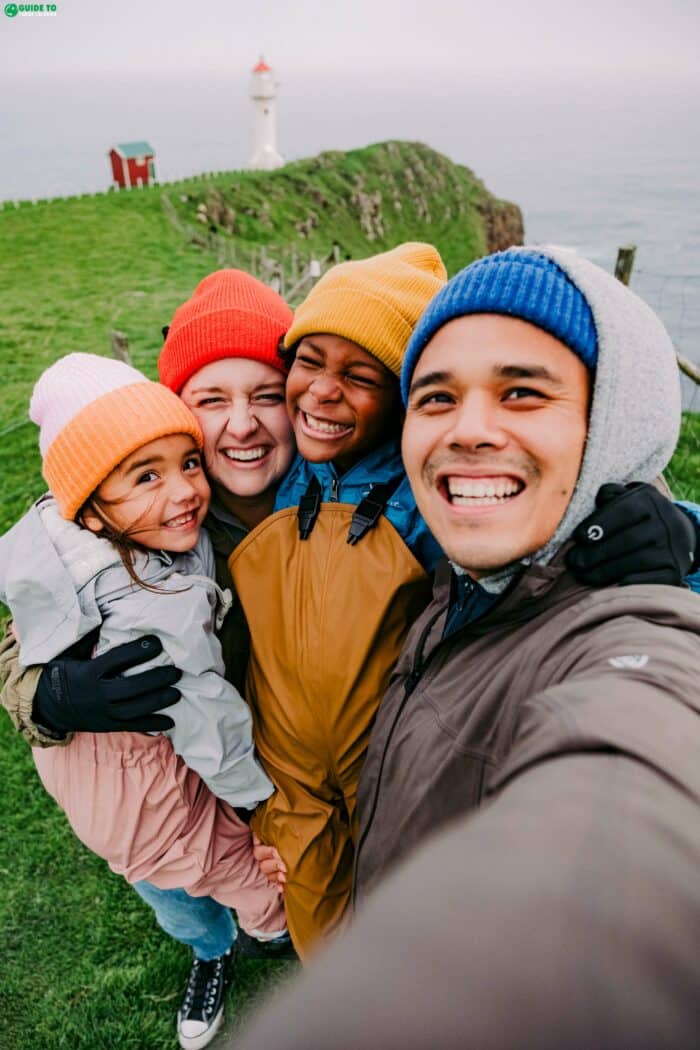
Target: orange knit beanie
{"points": [[230, 314], [93, 412]]}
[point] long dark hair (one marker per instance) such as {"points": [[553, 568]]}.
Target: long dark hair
{"points": [[121, 539]]}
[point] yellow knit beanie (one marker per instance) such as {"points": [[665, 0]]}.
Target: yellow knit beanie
{"points": [[374, 302]]}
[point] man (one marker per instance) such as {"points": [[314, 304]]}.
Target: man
{"points": [[552, 728]]}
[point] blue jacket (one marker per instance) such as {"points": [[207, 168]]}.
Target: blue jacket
{"points": [[693, 579], [382, 465]]}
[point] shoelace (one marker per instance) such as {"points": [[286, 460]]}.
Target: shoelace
{"points": [[203, 987]]}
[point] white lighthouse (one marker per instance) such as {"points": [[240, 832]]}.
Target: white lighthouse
{"points": [[263, 91]]}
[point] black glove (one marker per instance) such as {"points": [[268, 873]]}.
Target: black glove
{"points": [[635, 536], [90, 696]]}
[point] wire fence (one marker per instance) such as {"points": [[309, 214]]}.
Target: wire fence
{"points": [[676, 299], [170, 180], [290, 268]]}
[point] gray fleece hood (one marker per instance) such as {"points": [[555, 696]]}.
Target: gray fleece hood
{"points": [[636, 397], [636, 404]]}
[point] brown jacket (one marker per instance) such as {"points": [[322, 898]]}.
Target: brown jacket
{"points": [[556, 744], [553, 671]]}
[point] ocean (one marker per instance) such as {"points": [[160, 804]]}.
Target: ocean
{"points": [[592, 165]]}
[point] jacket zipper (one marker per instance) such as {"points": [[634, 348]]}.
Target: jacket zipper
{"points": [[410, 684], [418, 668], [335, 490]]}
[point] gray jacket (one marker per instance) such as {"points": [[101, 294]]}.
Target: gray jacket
{"points": [[61, 582]]}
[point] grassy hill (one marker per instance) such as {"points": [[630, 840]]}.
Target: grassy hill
{"points": [[73, 269]]}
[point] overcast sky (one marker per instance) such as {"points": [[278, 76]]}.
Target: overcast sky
{"points": [[533, 94], [650, 37]]}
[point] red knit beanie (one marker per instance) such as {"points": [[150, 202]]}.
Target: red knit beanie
{"points": [[230, 314]]}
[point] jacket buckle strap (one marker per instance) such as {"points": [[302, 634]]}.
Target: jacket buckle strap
{"points": [[368, 512], [309, 506]]}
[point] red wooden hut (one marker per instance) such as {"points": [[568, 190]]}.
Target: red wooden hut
{"points": [[132, 164]]}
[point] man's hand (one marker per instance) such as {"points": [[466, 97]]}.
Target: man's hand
{"points": [[635, 536], [271, 864], [91, 696]]}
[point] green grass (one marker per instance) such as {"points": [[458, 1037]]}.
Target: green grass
{"points": [[72, 270], [683, 472], [83, 963]]}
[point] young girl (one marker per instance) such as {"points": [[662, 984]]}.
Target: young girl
{"points": [[118, 546]]}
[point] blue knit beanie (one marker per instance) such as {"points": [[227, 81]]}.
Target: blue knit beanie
{"points": [[525, 284]]}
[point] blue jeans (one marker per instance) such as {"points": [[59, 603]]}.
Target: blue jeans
{"points": [[207, 926]]}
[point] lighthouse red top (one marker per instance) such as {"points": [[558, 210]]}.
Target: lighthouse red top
{"points": [[262, 66]]}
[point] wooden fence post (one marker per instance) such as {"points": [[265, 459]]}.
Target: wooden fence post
{"points": [[688, 368], [119, 343], [623, 272], [625, 262]]}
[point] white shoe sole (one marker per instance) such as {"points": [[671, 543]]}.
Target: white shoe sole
{"points": [[196, 1042]]}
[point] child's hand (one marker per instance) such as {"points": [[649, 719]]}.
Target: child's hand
{"points": [[271, 864]]}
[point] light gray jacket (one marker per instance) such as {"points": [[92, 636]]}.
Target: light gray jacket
{"points": [[61, 581]]}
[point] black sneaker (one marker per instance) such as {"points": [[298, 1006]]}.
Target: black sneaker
{"points": [[251, 948], [202, 1011]]}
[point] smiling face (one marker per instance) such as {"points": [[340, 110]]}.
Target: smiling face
{"points": [[342, 401], [248, 439], [494, 436], [158, 496]]}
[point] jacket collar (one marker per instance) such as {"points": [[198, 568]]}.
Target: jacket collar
{"points": [[532, 586], [376, 464]]}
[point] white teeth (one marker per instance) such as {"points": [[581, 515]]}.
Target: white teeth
{"points": [[481, 491], [475, 501], [244, 455], [181, 520], [325, 427]]}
